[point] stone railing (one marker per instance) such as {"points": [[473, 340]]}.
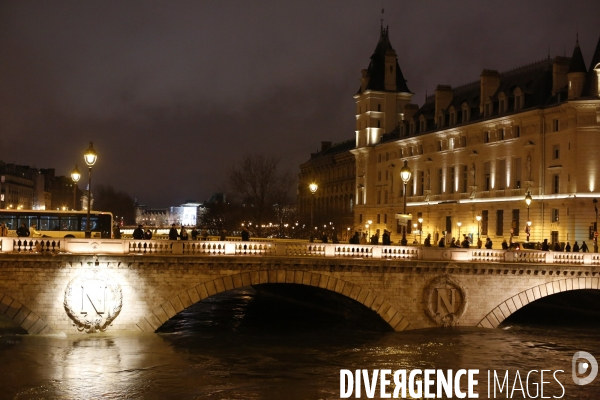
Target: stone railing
{"points": [[288, 249]]}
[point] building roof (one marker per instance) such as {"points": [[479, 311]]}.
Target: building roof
{"points": [[376, 69], [332, 151], [577, 64], [591, 87], [534, 80]]}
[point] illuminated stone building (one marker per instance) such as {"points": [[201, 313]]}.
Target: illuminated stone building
{"points": [[332, 169], [480, 148]]}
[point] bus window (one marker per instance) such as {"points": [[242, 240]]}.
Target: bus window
{"points": [[69, 223], [10, 221], [49, 223], [28, 220], [93, 224]]}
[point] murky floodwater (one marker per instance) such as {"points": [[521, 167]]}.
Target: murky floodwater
{"points": [[243, 345]]}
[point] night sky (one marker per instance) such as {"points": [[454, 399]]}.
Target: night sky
{"points": [[173, 92]]}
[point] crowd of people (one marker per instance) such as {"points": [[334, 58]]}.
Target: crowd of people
{"points": [[358, 238]]}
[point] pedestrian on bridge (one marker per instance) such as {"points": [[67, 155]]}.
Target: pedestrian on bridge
{"points": [[173, 235], [584, 247], [3, 230], [195, 233], [183, 235], [138, 233], [568, 247], [148, 234], [245, 235], [488, 243], [427, 241], [23, 231], [575, 248]]}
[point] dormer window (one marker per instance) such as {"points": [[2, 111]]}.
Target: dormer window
{"points": [[487, 108], [422, 124], [452, 116], [501, 103], [465, 113], [518, 99], [440, 121]]}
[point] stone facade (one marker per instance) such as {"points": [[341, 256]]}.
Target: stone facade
{"points": [[333, 170], [480, 148], [152, 289]]}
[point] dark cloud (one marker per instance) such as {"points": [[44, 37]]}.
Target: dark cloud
{"points": [[172, 93]]}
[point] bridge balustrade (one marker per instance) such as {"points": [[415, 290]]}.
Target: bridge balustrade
{"points": [[289, 249]]}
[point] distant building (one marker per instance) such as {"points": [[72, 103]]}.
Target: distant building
{"points": [[21, 187], [185, 214], [332, 168]]}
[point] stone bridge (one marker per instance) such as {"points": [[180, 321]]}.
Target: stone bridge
{"points": [[86, 286]]}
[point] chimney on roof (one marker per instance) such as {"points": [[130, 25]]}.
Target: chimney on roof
{"points": [[560, 67], [325, 146], [443, 98], [489, 82]]}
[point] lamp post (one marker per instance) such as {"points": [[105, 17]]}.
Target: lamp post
{"points": [[415, 226], [595, 201], [405, 173], [90, 156], [528, 202], [75, 176], [369, 223], [459, 225], [313, 189], [478, 218], [420, 229]]}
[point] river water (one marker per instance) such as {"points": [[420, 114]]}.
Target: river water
{"points": [[247, 345]]}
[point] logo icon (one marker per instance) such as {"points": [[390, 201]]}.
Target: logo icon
{"points": [[580, 368]]}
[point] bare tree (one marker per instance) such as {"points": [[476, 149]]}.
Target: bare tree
{"points": [[261, 188], [119, 203]]}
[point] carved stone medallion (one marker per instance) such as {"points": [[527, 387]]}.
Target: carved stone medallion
{"points": [[445, 300], [93, 300]]}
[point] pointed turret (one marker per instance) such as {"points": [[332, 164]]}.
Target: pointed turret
{"points": [[577, 64], [382, 95], [576, 73], [592, 78], [384, 73]]}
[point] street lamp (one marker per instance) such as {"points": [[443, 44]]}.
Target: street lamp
{"points": [[75, 176], [405, 176], [459, 225], [420, 229], [528, 202], [415, 226], [90, 156], [313, 189], [595, 201], [478, 218]]}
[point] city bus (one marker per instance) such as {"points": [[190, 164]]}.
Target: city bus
{"points": [[58, 224]]}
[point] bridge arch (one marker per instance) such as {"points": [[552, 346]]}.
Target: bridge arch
{"points": [[22, 315], [168, 309], [520, 300]]}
